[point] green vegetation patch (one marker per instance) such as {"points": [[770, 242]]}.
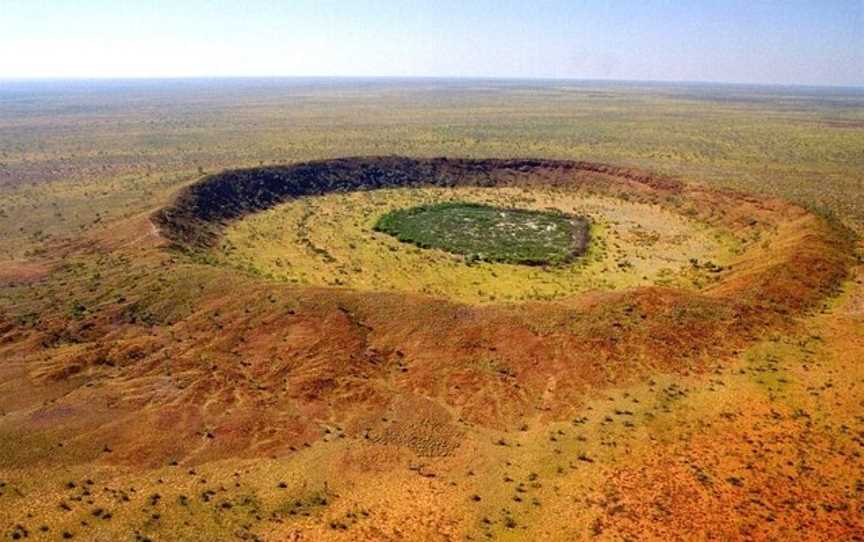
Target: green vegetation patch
{"points": [[486, 233]]}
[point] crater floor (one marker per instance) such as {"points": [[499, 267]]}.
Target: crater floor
{"points": [[331, 240], [490, 233]]}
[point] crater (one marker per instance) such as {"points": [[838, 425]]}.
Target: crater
{"points": [[698, 244]]}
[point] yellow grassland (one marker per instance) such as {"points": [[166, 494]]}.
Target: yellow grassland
{"points": [[329, 241]]}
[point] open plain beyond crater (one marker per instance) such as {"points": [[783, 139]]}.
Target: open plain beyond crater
{"points": [[258, 322]]}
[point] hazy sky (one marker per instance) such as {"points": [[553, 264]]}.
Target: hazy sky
{"points": [[749, 41]]}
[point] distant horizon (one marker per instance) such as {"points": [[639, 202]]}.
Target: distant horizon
{"points": [[86, 78]]}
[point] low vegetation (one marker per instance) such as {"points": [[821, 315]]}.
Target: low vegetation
{"points": [[486, 233], [696, 371], [330, 240]]}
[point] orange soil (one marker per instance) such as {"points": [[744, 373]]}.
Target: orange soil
{"points": [[199, 364]]}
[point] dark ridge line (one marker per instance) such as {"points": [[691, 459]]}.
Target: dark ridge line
{"points": [[200, 211]]}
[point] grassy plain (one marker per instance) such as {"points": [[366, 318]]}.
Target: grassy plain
{"points": [[145, 395]]}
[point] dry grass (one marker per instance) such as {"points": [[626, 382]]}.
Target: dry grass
{"points": [[147, 395], [330, 241]]}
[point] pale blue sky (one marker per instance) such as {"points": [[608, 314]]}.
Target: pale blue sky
{"points": [[818, 42]]}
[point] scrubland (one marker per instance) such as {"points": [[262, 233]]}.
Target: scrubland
{"points": [[697, 375]]}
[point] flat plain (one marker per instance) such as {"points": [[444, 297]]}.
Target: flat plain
{"points": [[696, 375]]}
